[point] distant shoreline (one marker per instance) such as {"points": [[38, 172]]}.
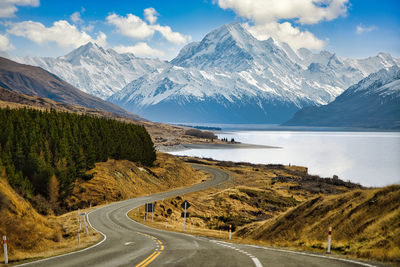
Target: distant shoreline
{"points": [[182, 147]]}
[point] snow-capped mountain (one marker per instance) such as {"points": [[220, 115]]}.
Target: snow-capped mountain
{"points": [[373, 102], [230, 76], [95, 70]]}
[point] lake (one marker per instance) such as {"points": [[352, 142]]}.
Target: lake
{"points": [[368, 158]]}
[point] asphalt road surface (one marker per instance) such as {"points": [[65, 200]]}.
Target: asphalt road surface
{"points": [[129, 243]]}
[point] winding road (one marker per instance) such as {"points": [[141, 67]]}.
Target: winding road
{"points": [[129, 243]]}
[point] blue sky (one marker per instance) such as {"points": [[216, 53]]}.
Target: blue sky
{"points": [[350, 28]]}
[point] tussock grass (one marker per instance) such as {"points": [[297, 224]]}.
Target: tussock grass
{"points": [[365, 224], [31, 235]]}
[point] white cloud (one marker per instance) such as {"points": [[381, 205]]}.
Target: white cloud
{"points": [[267, 15], [141, 49], [76, 17], [5, 44], [173, 37], [131, 26], [61, 32], [151, 15], [305, 11], [9, 7], [136, 28], [360, 29], [285, 32]]}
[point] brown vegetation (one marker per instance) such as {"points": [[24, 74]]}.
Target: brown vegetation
{"points": [[285, 206], [365, 223], [117, 180], [201, 134], [30, 235]]}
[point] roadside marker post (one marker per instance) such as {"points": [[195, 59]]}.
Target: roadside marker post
{"points": [[329, 239], [5, 249], [79, 231], [85, 223], [145, 212], [191, 228], [166, 223], [83, 215], [230, 232], [185, 205], [184, 217], [152, 212]]}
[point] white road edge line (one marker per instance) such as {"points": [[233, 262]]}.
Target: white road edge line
{"points": [[73, 252], [314, 255], [256, 262]]}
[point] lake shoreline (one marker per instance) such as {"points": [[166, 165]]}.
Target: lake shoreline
{"points": [[183, 147]]}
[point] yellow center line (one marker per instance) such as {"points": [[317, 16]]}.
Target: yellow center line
{"points": [[147, 259], [154, 255]]}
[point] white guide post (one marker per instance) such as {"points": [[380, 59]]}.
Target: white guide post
{"points": [[5, 249], [152, 212], [166, 223], [184, 218], [191, 228], [79, 231], [84, 222], [230, 232], [329, 239]]}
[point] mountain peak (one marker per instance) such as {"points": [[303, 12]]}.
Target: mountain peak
{"points": [[228, 47], [87, 50], [231, 30]]}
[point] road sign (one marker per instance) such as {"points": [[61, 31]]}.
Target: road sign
{"points": [[183, 214], [150, 207], [185, 206]]}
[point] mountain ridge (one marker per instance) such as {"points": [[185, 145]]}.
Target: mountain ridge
{"points": [[229, 71], [35, 81], [95, 70], [229, 68], [374, 102]]}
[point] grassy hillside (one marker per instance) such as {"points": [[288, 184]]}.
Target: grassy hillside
{"points": [[121, 179], [365, 223], [284, 206], [30, 234]]}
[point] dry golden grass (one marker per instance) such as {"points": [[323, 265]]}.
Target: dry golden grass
{"points": [[30, 235], [117, 180], [365, 224], [269, 211]]}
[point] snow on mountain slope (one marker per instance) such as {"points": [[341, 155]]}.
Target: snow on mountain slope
{"points": [[95, 70], [247, 80], [374, 102]]}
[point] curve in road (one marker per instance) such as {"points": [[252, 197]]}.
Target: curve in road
{"points": [[128, 243]]}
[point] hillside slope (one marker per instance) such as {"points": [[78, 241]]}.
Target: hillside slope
{"points": [[372, 103], [364, 222], [32, 235], [35, 81]]}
